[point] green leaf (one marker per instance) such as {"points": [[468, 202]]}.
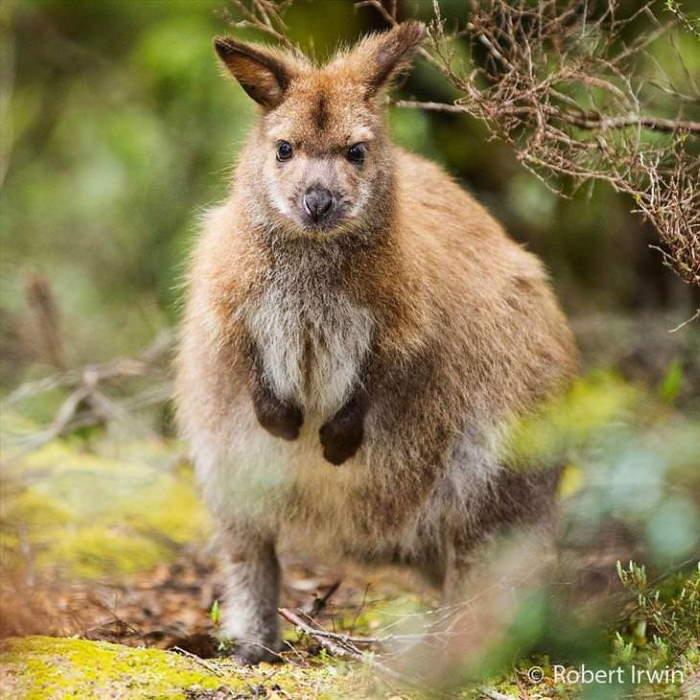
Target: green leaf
{"points": [[670, 385], [215, 614]]}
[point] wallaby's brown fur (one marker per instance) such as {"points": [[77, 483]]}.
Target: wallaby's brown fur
{"points": [[349, 304]]}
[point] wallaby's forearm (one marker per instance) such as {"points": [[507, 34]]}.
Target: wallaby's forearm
{"points": [[342, 435], [280, 417]]}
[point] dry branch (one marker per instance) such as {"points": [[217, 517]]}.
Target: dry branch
{"points": [[319, 604], [264, 16], [198, 660], [343, 647], [560, 82], [88, 403]]}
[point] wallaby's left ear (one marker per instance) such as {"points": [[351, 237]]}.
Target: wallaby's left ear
{"points": [[262, 73], [381, 58]]}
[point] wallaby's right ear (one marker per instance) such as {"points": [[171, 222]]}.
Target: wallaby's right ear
{"points": [[264, 76]]}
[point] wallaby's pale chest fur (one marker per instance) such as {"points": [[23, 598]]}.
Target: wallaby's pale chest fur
{"points": [[359, 332], [313, 339]]}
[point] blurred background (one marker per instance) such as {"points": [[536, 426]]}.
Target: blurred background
{"points": [[116, 132]]}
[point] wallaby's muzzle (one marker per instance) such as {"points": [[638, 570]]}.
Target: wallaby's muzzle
{"points": [[318, 203]]}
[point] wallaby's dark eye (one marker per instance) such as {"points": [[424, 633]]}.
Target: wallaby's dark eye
{"points": [[356, 152], [284, 150]]}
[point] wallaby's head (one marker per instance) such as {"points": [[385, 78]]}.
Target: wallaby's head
{"points": [[321, 155]]}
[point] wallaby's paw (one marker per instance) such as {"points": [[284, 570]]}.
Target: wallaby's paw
{"points": [[249, 654], [341, 437], [283, 420]]}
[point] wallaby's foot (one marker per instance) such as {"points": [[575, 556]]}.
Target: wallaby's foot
{"points": [[280, 418], [342, 435]]}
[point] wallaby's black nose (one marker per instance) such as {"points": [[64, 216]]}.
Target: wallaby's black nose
{"points": [[317, 202]]}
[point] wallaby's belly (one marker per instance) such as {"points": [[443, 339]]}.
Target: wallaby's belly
{"points": [[310, 504]]}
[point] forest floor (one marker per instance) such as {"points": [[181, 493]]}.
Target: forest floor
{"points": [[173, 609]]}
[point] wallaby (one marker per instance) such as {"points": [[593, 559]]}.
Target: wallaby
{"points": [[358, 334]]}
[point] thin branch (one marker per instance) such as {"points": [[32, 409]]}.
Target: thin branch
{"points": [[686, 322], [494, 694], [86, 404], [264, 17], [343, 648], [202, 662], [653, 123], [319, 604], [377, 5], [332, 645], [598, 122], [432, 106], [385, 640]]}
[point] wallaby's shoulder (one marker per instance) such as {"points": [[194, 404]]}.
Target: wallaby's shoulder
{"points": [[446, 224], [224, 264], [429, 194]]}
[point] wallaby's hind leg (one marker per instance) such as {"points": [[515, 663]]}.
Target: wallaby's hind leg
{"points": [[249, 614]]}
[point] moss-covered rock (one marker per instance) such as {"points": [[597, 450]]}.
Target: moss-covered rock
{"points": [[47, 668]]}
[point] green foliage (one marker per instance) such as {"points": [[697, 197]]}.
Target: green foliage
{"points": [[663, 625], [671, 384], [215, 613], [561, 427]]}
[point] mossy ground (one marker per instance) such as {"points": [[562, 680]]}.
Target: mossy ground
{"points": [[45, 668], [112, 509]]}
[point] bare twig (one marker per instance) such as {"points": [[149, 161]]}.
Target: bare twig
{"points": [[385, 640], [686, 322], [87, 404], [263, 16], [202, 662], [494, 694], [343, 648], [319, 604], [583, 122], [118, 368], [332, 645], [653, 123], [386, 14], [41, 300], [432, 106]]}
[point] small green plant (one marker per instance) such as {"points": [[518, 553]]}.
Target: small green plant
{"points": [[662, 626], [215, 613], [671, 384], [690, 23]]}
